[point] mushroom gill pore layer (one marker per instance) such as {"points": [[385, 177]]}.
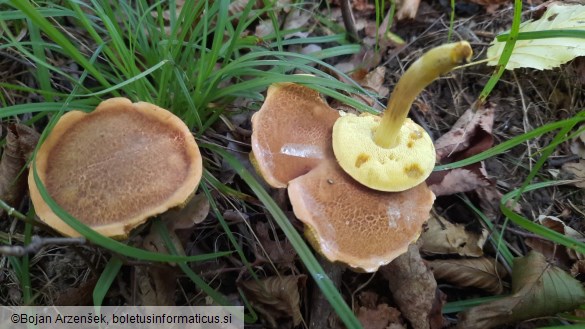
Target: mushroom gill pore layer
{"points": [[115, 167]]}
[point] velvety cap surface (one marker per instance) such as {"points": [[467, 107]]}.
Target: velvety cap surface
{"points": [[291, 133], [355, 225], [116, 166]]}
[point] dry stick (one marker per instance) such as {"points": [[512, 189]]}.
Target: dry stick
{"points": [[321, 309], [36, 244], [348, 21]]}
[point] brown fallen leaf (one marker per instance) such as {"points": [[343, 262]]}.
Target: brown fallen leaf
{"points": [[20, 143], [578, 268], [470, 135], [471, 131], [484, 273], [156, 285], [489, 201], [575, 171], [407, 9], [297, 18], [278, 252], [444, 237], [413, 288], [491, 6], [372, 81], [379, 317], [556, 224], [76, 296], [194, 212], [460, 180], [539, 289], [276, 297], [553, 252]]}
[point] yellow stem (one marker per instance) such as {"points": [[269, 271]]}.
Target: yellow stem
{"points": [[420, 74]]}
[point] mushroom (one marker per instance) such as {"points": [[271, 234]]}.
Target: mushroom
{"points": [[394, 153], [291, 133], [115, 167], [353, 224], [344, 220]]}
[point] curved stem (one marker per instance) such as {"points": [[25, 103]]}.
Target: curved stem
{"points": [[420, 74]]}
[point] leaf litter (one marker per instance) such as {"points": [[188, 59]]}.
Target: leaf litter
{"points": [[538, 289]]}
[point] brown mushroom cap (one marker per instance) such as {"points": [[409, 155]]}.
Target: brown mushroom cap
{"points": [[115, 167], [355, 225], [291, 133]]}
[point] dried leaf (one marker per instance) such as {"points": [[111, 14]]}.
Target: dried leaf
{"points": [[578, 268], [546, 53], [20, 142], [278, 252], [297, 18], [460, 180], [413, 288], [444, 237], [575, 171], [379, 317], [76, 296], [491, 5], [556, 224], [489, 201], [484, 273], [407, 9], [264, 28], [156, 286], [538, 290], [467, 134], [470, 135], [276, 297], [553, 252], [194, 212]]}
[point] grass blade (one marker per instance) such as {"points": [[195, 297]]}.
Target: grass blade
{"points": [[321, 279]]}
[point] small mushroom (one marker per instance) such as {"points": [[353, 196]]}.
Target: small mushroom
{"points": [[394, 153], [115, 167]]}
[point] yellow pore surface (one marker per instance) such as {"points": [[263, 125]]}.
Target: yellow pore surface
{"points": [[385, 169]]}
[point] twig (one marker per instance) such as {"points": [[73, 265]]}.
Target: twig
{"points": [[348, 21], [557, 162], [36, 244]]}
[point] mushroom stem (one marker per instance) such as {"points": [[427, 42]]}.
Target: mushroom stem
{"points": [[420, 74]]}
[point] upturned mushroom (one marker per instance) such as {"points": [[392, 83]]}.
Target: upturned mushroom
{"points": [[295, 142], [115, 167], [344, 220], [393, 153]]}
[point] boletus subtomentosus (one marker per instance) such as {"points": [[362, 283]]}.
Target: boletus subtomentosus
{"points": [[295, 145], [115, 167], [393, 153]]}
